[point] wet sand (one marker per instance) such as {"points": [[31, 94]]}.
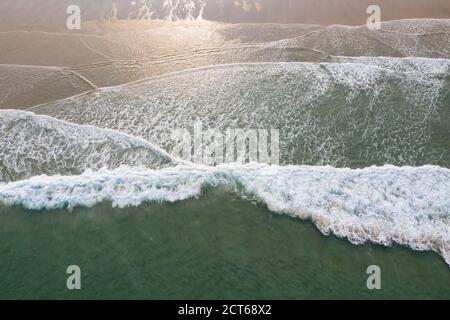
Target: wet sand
{"points": [[38, 67], [51, 14]]}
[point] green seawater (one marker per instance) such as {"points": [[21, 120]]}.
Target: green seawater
{"points": [[215, 247]]}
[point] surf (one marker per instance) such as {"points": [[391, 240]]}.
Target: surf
{"points": [[33, 145], [386, 205], [353, 112]]}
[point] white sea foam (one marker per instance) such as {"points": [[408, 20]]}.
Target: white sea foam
{"points": [[32, 144], [385, 205], [359, 111], [170, 10], [413, 38], [420, 67]]}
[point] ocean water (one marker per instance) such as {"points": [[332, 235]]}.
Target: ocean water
{"points": [[216, 247], [353, 113], [363, 179]]}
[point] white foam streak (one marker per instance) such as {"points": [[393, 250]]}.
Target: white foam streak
{"points": [[169, 10], [385, 205], [32, 144], [383, 110]]}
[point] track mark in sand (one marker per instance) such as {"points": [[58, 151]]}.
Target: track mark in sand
{"points": [[188, 54], [94, 51], [84, 79]]}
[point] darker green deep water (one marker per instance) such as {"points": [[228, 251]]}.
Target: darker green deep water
{"points": [[219, 247]]}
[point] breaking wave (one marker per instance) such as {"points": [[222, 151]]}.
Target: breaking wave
{"points": [[354, 112], [31, 144], [384, 205]]}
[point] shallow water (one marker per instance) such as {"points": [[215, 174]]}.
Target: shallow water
{"points": [[356, 112]]}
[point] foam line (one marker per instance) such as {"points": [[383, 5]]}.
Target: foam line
{"points": [[384, 205]]}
